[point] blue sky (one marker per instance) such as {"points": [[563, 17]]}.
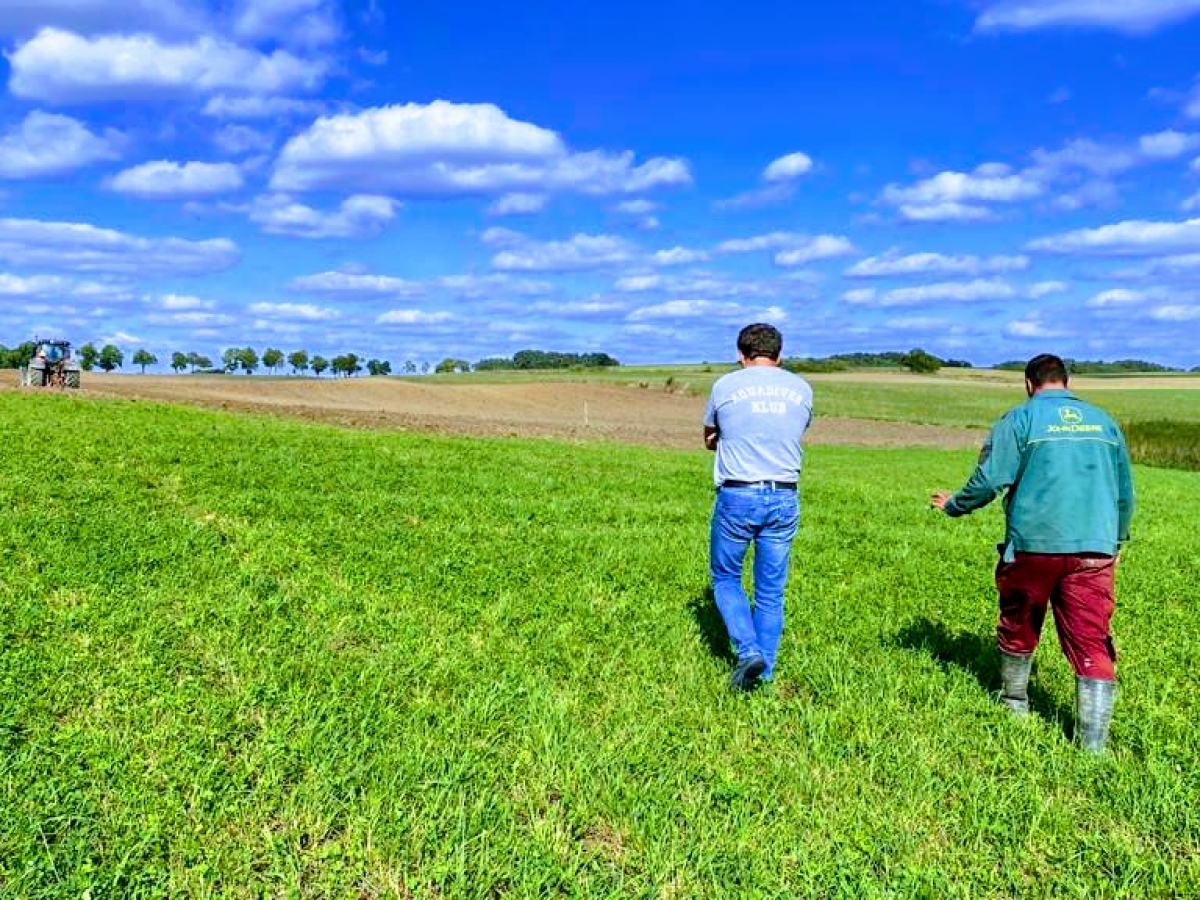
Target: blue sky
{"points": [[985, 180]]}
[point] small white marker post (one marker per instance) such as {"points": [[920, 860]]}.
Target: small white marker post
{"points": [[585, 414]]}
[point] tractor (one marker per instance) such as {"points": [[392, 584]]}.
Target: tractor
{"points": [[51, 366]]}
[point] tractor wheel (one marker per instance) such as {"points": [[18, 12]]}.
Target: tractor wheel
{"points": [[71, 379], [34, 377]]}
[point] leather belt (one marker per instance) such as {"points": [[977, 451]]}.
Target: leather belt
{"points": [[772, 485]]}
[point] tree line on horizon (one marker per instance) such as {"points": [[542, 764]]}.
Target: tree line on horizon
{"points": [[247, 360]]}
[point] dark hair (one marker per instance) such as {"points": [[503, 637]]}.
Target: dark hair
{"points": [[758, 340], [1044, 368]]}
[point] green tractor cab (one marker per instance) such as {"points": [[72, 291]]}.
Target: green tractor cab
{"points": [[51, 366]]}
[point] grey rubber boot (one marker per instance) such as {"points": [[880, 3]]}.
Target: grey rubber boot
{"points": [[1093, 712], [1014, 679]]}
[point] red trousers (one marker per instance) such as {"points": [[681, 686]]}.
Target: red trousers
{"points": [[1079, 590]]}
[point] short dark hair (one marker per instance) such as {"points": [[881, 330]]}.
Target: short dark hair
{"points": [[758, 340], [1046, 368]]}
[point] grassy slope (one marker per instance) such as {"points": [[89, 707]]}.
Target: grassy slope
{"points": [[262, 658]]}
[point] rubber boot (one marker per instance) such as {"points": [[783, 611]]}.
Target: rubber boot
{"points": [[1014, 678], [1093, 712]]}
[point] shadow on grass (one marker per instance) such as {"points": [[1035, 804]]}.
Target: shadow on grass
{"points": [[712, 626], [977, 655]]}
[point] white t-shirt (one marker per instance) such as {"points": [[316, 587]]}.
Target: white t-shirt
{"points": [[761, 414]]}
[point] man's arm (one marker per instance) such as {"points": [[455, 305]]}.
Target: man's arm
{"points": [[711, 436], [1126, 499], [999, 463]]}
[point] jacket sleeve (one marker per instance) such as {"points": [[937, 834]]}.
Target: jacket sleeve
{"points": [[1126, 499], [997, 470]]}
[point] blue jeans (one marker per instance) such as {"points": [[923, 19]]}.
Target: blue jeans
{"points": [[767, 519]]}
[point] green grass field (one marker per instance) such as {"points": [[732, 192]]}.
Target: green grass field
{"points": [[243, 657]]}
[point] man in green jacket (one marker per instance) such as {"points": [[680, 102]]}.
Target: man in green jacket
{"points": [[1063, 468]]}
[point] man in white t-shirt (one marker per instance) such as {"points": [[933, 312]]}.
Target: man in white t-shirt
{"points": [[755, 421]]}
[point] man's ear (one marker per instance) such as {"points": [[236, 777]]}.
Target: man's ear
{"points": [[1029, 389]]}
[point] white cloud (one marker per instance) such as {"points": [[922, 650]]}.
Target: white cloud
{"points": [[356, 283], [634, 284], [678, 256], [942, 292], [1135, 16], [893, 264], [305, 312], [1176, 312], [1192, 203], [684, 309], [517, 205], [794, 248], [959, 196], [1129, 238], [823, 246], [787, 168], [85, 248], [1168, 144], [61, 67], [580, 252], [453, 149], [237, 140], [1035, 328], [1046, 288], [166, 180], [46, 145], [1118, 297], [178, 302], [362, 215], [413, 317]]}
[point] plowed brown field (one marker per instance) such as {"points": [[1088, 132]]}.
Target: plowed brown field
{"points": [[571, 411]]}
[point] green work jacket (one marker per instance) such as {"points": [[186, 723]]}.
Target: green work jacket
{"points": [[1064, 470]]}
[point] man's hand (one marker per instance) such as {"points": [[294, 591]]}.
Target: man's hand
{"points": [[939, 499], [711, 436]]}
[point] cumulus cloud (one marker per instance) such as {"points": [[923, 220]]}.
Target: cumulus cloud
{"points": [[580, 252], [355, 283], [1119, 297], [787, 168], [961, 196], [454, 149], [517, 205], [1177, 312], [678, 256], [304, 312], [1192, 203], [1129, 238], [1117, 15], [80, 247], [792, 248], [1046, 288], [413, 317], [1034, 327], [58, 287], [942, 292], [362, 215], [65, 68], [166, 180], [684, 309], [893, 264], [45, 145]]}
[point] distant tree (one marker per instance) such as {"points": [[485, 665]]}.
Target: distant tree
{"points": [[247, 359], [198, 361], [425, 367], [453, 365], [921, 362], [229, 359], [18, 357], [88, 356], [298, 361], [379, 367], [110, 358], [346, 364], [319, 365], [179, 361], [410, 368], [272, 358], [144, 358]]}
